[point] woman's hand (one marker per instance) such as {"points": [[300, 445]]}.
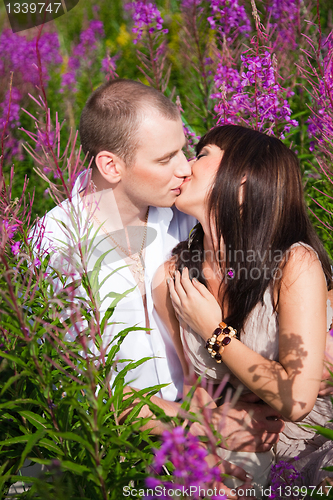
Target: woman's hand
{"points": [[194, 304]]}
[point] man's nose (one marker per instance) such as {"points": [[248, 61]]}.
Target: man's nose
{"points": [[184, 168]]}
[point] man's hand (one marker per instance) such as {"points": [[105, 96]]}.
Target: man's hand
{"points": [[249, 425]]}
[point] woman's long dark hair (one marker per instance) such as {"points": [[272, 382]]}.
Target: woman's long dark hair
{"points": [[257, 234]]}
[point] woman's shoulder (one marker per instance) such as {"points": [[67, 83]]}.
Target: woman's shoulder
{"points": [[302, 268], [162, 274], [301, 248], [301, 257]]}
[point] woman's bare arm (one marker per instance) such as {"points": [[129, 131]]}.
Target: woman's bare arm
{"points": [[290, 385]]}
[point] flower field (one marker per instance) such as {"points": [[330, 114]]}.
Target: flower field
{"points": [[266, 64]]}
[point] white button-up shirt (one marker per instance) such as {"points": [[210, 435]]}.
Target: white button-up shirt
{"points": [[165, 228]]}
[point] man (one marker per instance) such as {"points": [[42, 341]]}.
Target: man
{"points": [[133, 136]]}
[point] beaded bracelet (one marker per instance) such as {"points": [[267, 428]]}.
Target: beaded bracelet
{"points": [[215, 346]]}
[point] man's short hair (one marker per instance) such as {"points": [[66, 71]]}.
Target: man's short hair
{"points": [[111, 117]]}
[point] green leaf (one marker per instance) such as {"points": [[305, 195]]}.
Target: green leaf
{"points": [[14, 404], [111, 273], [36, 420], [15, 359], [51, 446], [130, 366], [118, 296], [91, 247], [74, 467], [71, 436], [93, 275], [33, 439], [328, 433], [119, 338], [4, 477], [15, 440], [109, 312], [13, 379]]}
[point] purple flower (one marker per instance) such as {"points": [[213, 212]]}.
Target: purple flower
{"points": [[145, 15], [10, 228], [253, 95], [68, 80], [97, 27], [152, 482], [45, 139], [16, 247], [283, 9], [320, 123], [11, 109], [83, 55], [283, 20], [109, 66], [37, 262], [190, 4], [18, 54], [188, 458], [282, 474], [229, 18]]}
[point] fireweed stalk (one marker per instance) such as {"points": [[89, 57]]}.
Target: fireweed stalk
{"points": [[183, 456], [148, 30], [319, 76], [283, 477], [206, 50], [229, 19], [60, 396], [50, 383], [57, 402], [18, 55], [61, 378], [196, 47], [83, 56], [252, 95], [187, 456]]}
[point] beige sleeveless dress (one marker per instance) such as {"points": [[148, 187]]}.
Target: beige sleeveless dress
{"points": [[307, 451]]}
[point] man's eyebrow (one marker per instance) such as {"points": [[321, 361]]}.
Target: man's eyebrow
{"points": [[167, 155]]}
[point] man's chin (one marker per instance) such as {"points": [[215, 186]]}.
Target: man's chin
{"points": [[162, 204], [168, 203]]}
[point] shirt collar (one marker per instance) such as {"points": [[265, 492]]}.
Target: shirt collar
{"points": [[81, 182], [158, 215]]}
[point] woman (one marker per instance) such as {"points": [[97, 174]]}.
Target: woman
{"points": [[250, 287]]}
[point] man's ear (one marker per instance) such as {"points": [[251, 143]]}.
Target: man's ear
{"points": [[110, 166]]}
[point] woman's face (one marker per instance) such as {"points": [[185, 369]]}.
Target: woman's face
{"points": [[194, 190]]}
